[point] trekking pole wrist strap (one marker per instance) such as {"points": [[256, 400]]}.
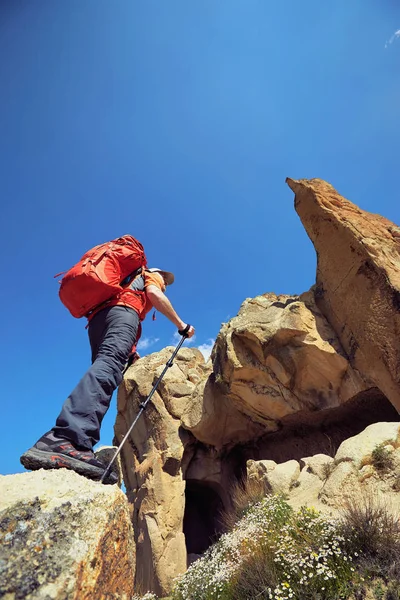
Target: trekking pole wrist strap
{"points": [[184, 331]]}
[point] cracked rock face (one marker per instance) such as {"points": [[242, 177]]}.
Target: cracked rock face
{"points": [[152, 461], [64, 537], [358, 279], [280, 356]]}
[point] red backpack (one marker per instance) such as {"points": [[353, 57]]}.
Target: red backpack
{"points": [[97, 277]]}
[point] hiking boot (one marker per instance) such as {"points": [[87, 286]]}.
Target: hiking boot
{"points": [[51, 452]]}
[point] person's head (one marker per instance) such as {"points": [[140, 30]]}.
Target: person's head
{"points": [[167, 277]]}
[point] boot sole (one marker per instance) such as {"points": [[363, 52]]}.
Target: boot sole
{"points": [[35, 459]]}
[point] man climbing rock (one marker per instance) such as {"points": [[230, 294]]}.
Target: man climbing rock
{"points": [[114, 329]]}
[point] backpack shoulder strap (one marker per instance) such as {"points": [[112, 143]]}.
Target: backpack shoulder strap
{"points": [[137, 284]]}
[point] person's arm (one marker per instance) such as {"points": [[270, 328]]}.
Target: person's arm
{"points": [[161, 303]]}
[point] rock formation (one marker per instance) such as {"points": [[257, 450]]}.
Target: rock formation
{"points": [[64, 537], [282, 373], [353, 473], [298, 393], [358, 279], [280, 356], [152, 462]]}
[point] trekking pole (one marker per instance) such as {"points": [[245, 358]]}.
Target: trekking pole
{"points": [[143, 405]]}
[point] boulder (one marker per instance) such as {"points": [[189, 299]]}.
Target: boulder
{"points": [[278, 478], [306, 491], [260, 469], [64, 537], [343, 483], [358, 279], [358, 449], [317, 465], [353, 473], [280, 356], [283, 476]]}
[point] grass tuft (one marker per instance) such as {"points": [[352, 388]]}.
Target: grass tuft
{"points": [[382, 459], [244, 494], [372, 531]]}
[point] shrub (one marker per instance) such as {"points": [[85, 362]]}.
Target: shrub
{"points": [[273, 553], [304, 559], [372, 533], [382, 459], [328, 469], [276, 553]]}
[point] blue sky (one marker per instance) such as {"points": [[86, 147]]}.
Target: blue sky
{"points": [[177, 122]]}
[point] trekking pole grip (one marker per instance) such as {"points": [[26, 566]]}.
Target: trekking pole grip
{"points": [[185, 331]]}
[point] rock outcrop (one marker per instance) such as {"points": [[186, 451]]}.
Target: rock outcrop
{"points": [[152, 462], [355, 472], [290, 379], [358, 279], [279, 364], [64, 537], [280, 356], [284, 364]]}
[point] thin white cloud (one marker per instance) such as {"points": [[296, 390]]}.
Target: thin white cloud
{"points": [[206, 348], [395, 36], [145, 343]]}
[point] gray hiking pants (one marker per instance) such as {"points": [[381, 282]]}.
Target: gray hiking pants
{"points": [[112, 333]]}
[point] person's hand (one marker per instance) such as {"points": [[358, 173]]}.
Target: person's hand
{"points": [[188, 331], [191, 332]]}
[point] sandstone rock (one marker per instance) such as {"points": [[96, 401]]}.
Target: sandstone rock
{"points": [[105, 454], [306, 492], [366, 472], [282, 369], [278, 477], [214, 420], [317, 464], [280, 356], [64, 537], [343, 483], [152, 460], [283, 476], [358, 279], [260, 468], [359, 448], [347, 478]]}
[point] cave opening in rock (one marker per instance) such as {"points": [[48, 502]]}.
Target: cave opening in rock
{"points": [[202, 518], [305, 434]]}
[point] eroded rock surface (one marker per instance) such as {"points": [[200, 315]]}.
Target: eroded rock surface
{"points": [[280, 356], [290, 377], [64, 537], [353, 474], [358, 279], [152, 462]]}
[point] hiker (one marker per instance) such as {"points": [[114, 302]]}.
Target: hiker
{"points": [[114, 329]]}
